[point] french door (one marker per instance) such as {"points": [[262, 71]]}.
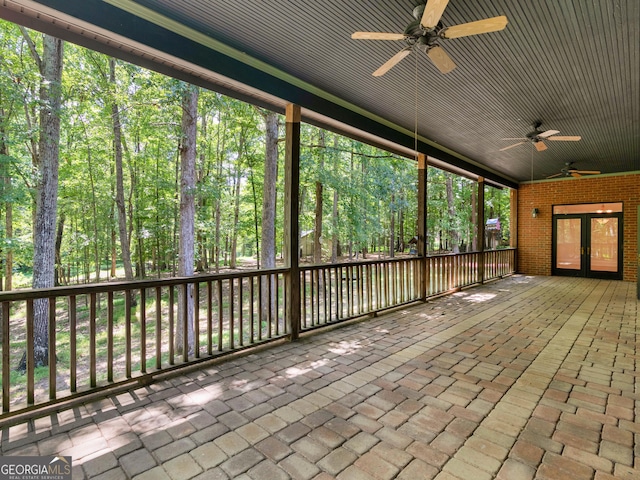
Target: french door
{"points": [[588, 245]]}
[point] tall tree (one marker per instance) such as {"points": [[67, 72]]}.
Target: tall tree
{"points": [[268, 235], [317, 231], [453, 231], [187, 217], [125, 239], [46, 196]]}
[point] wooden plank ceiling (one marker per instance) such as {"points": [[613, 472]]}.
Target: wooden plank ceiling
{"points": [[574, 65]]}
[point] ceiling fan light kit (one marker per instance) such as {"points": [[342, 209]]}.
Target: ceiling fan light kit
{"points": [[569, 171], [426, 32], [538, 136]]}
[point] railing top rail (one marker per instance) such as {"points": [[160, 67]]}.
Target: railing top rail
{"points": [[369, 261], [119, 286], [469, 253]]}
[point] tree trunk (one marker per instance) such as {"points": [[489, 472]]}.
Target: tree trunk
{"points": [[187, 219], [202, 263], [268, 236], [59, 270], [236, 205], [317, 231], [8, 207], [453, 233], [392, 228], [474, 220], [46, 194], [125, 245], [401, 230], [334, 210]]}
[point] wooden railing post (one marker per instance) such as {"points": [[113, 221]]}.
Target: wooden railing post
{"points": [[422, 224], [291, 228], [481, 228]]}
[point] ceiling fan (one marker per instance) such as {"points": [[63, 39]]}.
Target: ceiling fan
{"points": [[426, 31], [537, 136], [569, 171]]}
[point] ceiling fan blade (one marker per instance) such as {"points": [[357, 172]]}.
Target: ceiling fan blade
{"points": [[540, 146], [440, 59], [588, 172], [487, 25], [377, 36], [548, 133], [575, 174], [432, 13], [560, 138], [556, 175], [511, 146], [392, 61]]}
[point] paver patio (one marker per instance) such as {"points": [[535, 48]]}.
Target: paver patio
{"points": [[527, 377]]}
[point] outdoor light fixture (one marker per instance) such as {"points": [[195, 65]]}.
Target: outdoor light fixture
{"points": [[534, 212]]}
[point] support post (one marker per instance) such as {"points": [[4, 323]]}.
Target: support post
{"points": [[422, 225], [513, 230], [481, 228], [291, 227]]}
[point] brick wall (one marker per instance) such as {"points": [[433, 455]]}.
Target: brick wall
{"points": [[534, 234]]}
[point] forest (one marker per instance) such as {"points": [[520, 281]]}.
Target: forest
{"points": [[124, 135]]}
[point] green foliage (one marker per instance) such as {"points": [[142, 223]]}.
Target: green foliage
{"points": [[373, 190]]}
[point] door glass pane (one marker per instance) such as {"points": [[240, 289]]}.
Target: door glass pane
{"points": [[587, 208], [604, 244], [568, 243]]}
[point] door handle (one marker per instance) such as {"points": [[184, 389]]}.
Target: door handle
{"points": [[581, 250]]}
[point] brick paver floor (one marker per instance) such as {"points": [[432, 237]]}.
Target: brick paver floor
{"points": [[528, 377]]}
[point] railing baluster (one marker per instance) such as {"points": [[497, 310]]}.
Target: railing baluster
{"points": [[360, 283], [377, 286], [252, 310], [53, 377], [158, 328], [209, 317], [324, 294], [312, 288], [303, 298], [30, 355], [73, 353], [185, 321], [270, 302], [109, 335], [196, 319], [127, 319], [143, 330], [240, 316], [260, 306], [171, 306], [92, 340], [220, 315], [282, 304], [6, 358]]}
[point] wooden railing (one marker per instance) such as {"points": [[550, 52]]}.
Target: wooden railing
{"points": [[336, 292], [450, 272], [110, 335]]}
